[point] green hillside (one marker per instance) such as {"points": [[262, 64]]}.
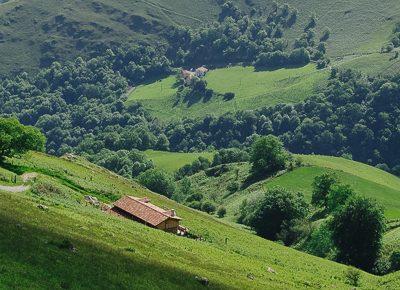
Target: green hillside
{"points": [[365, 179], [68, 238], [31, 28], [172, 161], [253, 89], [357, 26]]}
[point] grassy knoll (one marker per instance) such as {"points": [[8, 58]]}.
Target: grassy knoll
{"points": [[129, 255], [365, 179], [253, 89], [172, 161]]}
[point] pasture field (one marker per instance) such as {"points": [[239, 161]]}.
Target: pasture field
{"points": [[364, 179], [253, 89], [68, 238], [172, 161]]}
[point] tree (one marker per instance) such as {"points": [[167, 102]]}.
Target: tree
{"points": [[158, 181], [276, 208], [357, 231], [16, 138], [208, 207], [221, 212], [268, 156], [321, 186], [338, 195]]}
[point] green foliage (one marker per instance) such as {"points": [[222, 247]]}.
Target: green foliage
{"points": [[126, 163], [16, 138], [158, 181], [231, 155], [338, 196], [268, 156], [322, 185], [357, 230], [320, 242], [395, 261], [221, 212], [198, 165], [208, 207], [277, 206], [353, 276]]}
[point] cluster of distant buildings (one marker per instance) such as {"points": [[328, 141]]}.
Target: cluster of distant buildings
{"points": [[189, 75]]}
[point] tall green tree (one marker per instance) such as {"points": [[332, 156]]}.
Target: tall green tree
{"points": [[16, 138], [268, 156], [357, 231], [276, 208], [321, 187]]}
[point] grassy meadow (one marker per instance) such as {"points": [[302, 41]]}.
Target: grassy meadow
{"points": [[65, 241], [172, 161], [253, 89], [364, 179]]}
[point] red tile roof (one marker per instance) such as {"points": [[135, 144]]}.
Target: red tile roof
{"points": [[142, 208]]}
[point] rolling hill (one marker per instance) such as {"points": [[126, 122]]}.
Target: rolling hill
{"points": [[31, 29], [68, 237], [365, 180]]}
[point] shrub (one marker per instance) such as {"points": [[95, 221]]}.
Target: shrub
{"points": [[221, 212], [229, 96], [395, 261], [276, 208], [195, 197], [268, 156], [158, 181], [357, 230], [231, 155], [208, 207], [321, 186], [233, 187], [338, 195], [353, 276], [195, 204]]}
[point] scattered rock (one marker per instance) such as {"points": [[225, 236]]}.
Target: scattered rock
{"points": [[202, 280], [250, 276], [270, 270], [43, 207], [92, 200]]}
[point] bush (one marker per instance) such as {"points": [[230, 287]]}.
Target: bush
{"points": [[276, 208], [208, 207], [231, 155], [233, 187], [221, 212], [195, 197], [158, 181], [229, 96], [338, 195], [353, 276], [268, 156], [357, 230], [395, 261], [321, 187], [320, 242], [195, 204]]}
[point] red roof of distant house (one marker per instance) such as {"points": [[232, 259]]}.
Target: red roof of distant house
{"points": [[144, 210]]}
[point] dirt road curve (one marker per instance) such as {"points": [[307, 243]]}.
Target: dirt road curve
{"points": [[19, 188]]}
